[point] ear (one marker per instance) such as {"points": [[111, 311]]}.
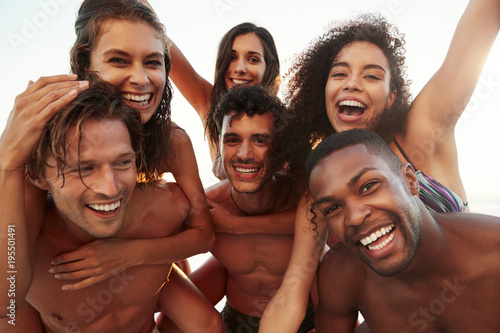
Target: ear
{"points": [[40, 182], [410, 177], [391, 99]]}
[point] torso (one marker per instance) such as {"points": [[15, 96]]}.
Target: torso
{"points": [[125, 302], [464, 297], [255, 263]]}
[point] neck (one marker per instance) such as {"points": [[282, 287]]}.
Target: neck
{"points": [[428, 261], [261, 202]]}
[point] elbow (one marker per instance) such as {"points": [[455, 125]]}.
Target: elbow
{"points": [[10, 307], [214, 325]]}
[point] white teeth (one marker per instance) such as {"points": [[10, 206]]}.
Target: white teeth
{"points": [[351, 103], [106, 207], [247, 171], [140, 99], [381, 245], [376, 235], [240, 81]]}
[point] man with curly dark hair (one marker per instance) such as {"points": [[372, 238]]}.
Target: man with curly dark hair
{"points": [[248, 268]]}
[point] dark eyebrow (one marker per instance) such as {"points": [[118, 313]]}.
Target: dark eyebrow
{"points": [[251, 52], [351, 184], [116, 51], [126, 54], [369, 66], [261, 135], [230, 134]]}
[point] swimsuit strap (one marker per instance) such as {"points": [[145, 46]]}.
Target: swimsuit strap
{"points": [[402, 151]]}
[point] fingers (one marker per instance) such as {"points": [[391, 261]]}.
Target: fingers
{"points": [[67, 258], [48, 99], [71, 267], [83, 284]]}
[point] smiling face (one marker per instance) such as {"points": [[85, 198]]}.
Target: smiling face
{"points": [[369, 208], [130, 56], [245, 142], [108, 170], [247, 61], [358, 87]]}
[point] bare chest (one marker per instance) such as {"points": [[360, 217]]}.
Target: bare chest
{"points": [[453, 306], [244, 254], [126, 300]]}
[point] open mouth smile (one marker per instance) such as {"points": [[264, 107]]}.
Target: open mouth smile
{"points": [[137, 99], [240, 81], [105, 208], [379, 238], [350, 110], [246, 171]]}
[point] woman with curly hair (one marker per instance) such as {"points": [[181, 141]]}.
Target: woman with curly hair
{"points": [[353, 77]]}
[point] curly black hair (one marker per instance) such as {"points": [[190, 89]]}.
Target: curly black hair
{"points": [[287, 152], [307, 77]]}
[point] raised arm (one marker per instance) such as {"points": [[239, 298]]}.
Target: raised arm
{"points": [[195, 89], [429, 140], [26, 124], [288, 307]]}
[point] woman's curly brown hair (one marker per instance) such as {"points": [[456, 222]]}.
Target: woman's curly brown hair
{"points": [[307, 77]]}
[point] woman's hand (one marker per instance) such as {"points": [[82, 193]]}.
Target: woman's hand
{"points": [[223, 220], [32, 110], [94, 262]]}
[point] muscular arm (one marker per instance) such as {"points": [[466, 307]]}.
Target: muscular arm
{"points": [[288, 307], [338, 289], [429, 140]]}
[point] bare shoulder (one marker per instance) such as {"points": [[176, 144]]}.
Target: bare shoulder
{"points": [[159, 200], [178, 135], [343, 269], [479, 231], [218, 192], [341, 257]]}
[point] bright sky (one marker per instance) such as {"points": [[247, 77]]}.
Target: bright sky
{"points": [[36, 36]]}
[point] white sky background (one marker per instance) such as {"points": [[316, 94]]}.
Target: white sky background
{"points": [[36, 36]]}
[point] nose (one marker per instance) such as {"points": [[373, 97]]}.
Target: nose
{"points": [[245, 152], [356, 213], [139, 75], [353, 83], [106, 182], [240, 66]]}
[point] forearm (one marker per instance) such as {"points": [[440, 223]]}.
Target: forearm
{"points": [[288, 306], [16, 266], [171, 249]]}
